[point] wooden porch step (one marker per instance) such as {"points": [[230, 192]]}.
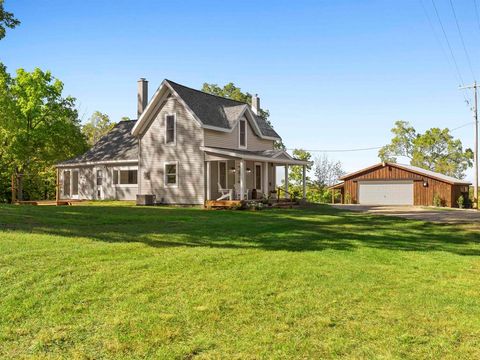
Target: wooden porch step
{"points": [[286, 205], [223, 204]]}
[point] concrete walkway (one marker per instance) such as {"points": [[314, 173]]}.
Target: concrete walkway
{"points": [[439, 215]]}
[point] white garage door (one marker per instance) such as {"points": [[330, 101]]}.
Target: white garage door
{"points": [[385, 192]]}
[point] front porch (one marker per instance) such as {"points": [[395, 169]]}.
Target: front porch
{"points": [[242, 175], [252, 204]]}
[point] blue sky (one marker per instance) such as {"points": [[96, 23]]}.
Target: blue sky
{"points": [[334, 74]]}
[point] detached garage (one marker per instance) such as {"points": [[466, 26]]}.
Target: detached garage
{"points": [[397, 184]]}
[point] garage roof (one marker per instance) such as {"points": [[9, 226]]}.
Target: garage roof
{"points": [[413, 169]]}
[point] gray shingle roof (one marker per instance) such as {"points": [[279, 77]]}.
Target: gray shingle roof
{"points": [[217, 111], [118, 144], [265, 128], [271, 153], [433, 174]]}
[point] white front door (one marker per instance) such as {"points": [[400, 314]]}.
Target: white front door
{"points": [[258, 178], [385, 192]]}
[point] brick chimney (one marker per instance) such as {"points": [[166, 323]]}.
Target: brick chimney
{"points": [[256, 104], [142, 97]]}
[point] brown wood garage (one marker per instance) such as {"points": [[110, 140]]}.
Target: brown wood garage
{"points": [[396, 184]]}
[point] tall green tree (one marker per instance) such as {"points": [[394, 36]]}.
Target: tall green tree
{"points": [[97, 126], [434, 150], [230, 91], [7, 20], [39, 127], [296, 172]]}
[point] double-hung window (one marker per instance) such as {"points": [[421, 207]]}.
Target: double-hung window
{"points": [[171, 174], [242, 134], [170, 129], [99, 177]]}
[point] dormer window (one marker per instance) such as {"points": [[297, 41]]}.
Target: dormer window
{"points": [[170, 129], [242, 132]]}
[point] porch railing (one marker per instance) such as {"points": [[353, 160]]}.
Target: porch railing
{"points": [[285, 192]]}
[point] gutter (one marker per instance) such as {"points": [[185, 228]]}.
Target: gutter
{"points": [[255, 157], [89, 163]]}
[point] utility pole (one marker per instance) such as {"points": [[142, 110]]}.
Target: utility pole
{"points": [[475, 147]]}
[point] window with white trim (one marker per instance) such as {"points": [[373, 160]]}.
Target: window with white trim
{"points": [[242, 134], [170, 129], [125, 177], [171, 174], [99, 177]]}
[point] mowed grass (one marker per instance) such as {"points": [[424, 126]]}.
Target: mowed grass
{"points": [[111, 280]]}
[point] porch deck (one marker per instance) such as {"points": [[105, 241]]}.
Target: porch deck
{"points": [[47, 202], [243, 204]]}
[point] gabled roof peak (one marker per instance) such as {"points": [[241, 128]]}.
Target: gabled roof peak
{"points": [[210, 111], [205, 93]]}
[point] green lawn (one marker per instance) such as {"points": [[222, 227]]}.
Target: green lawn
{"points": [[116, 281]]}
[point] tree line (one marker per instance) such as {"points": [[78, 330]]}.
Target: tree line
{"points": [[40, 127]]}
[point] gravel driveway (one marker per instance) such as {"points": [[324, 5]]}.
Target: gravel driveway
{"points": [[440, 215]]}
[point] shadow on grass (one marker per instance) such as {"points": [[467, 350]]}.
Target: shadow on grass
{"points": [[312, 229]]}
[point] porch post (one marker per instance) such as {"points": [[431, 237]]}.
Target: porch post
{"points": [[57, 185], [209, 195], [242, 179], [266, 191], [304, 182], [287, 196]]}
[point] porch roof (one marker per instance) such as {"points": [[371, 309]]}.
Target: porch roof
{"points": [[274, 156]]}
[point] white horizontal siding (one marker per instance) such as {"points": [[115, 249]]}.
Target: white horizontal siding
{"points": [[186, 151], [230, 140]]}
